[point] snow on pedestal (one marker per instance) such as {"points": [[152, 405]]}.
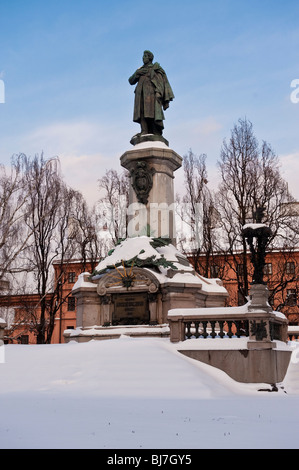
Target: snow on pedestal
{"points": [[150, 270]]}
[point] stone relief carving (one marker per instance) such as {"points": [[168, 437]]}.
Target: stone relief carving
{"points": [[142, 181], [118, 280]]}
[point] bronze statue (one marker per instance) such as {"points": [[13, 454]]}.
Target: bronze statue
{"points": [[152, 95]]}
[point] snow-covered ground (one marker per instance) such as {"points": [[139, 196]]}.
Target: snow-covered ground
{"points": [[137, 393]]}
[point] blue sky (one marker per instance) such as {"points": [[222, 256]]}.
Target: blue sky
{"points": [[65, 66]]}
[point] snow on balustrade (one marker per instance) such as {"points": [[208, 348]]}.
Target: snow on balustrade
{"points": [[227, 322]]}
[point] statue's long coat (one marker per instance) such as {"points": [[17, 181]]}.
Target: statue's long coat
{"points": [[152, 93]]}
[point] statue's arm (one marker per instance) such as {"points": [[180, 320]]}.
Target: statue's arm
{"points": [[134, 78]]}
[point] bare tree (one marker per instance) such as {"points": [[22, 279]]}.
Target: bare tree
{"points": [[14, 234], [49, 215], [86, 230], [251, 181], [198, 215], [43, 221], [113, 203]]}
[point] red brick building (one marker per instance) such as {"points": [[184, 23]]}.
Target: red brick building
{"points": [[281, 274], [25, 309]]}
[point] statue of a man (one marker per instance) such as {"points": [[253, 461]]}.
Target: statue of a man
{"points": [[152, 95]]}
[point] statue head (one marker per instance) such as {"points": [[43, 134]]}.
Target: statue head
{"points": [[148, 56]]}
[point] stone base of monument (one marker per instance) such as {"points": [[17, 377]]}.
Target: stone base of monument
{"points": [[141, 138], [82, 335], [136, 285], [249, 343], [145, 275], [267, 366]]}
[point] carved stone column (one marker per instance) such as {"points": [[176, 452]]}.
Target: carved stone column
{"points": [[106, 313], [151, 198], [152, 304], [88, 305]]}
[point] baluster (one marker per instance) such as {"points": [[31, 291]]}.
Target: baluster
{"points": [[238, 326], [188, 329], [199, 328], [229, 333], [243, 328], [246, 327], [213, 334], [221, 332], [204, 324]]}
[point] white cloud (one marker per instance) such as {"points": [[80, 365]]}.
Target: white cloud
{"points": [[82, 172], [86, 149], [202, 136], [290, 172], [63, 137], [207, 127]]}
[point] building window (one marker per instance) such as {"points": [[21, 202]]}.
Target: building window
{"points": [[70, 328], [71, 304], [71, 277], [290, 267], [214, 270], [291, 297], [268, 269]]}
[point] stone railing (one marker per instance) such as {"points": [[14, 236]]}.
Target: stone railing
{"points": [[260, 358], [231, 322], [293, 333], [215, 329]]}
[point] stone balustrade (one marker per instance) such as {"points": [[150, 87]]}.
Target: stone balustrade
{"points": [[227, 322], [264, 355], [216, 329], [293, 332]]}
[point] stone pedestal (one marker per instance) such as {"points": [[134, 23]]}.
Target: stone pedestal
{"points": [[262, 331], [248, 366], [259, 296], [137, 284], [151, 199], [88, 307], [144, 276]]}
